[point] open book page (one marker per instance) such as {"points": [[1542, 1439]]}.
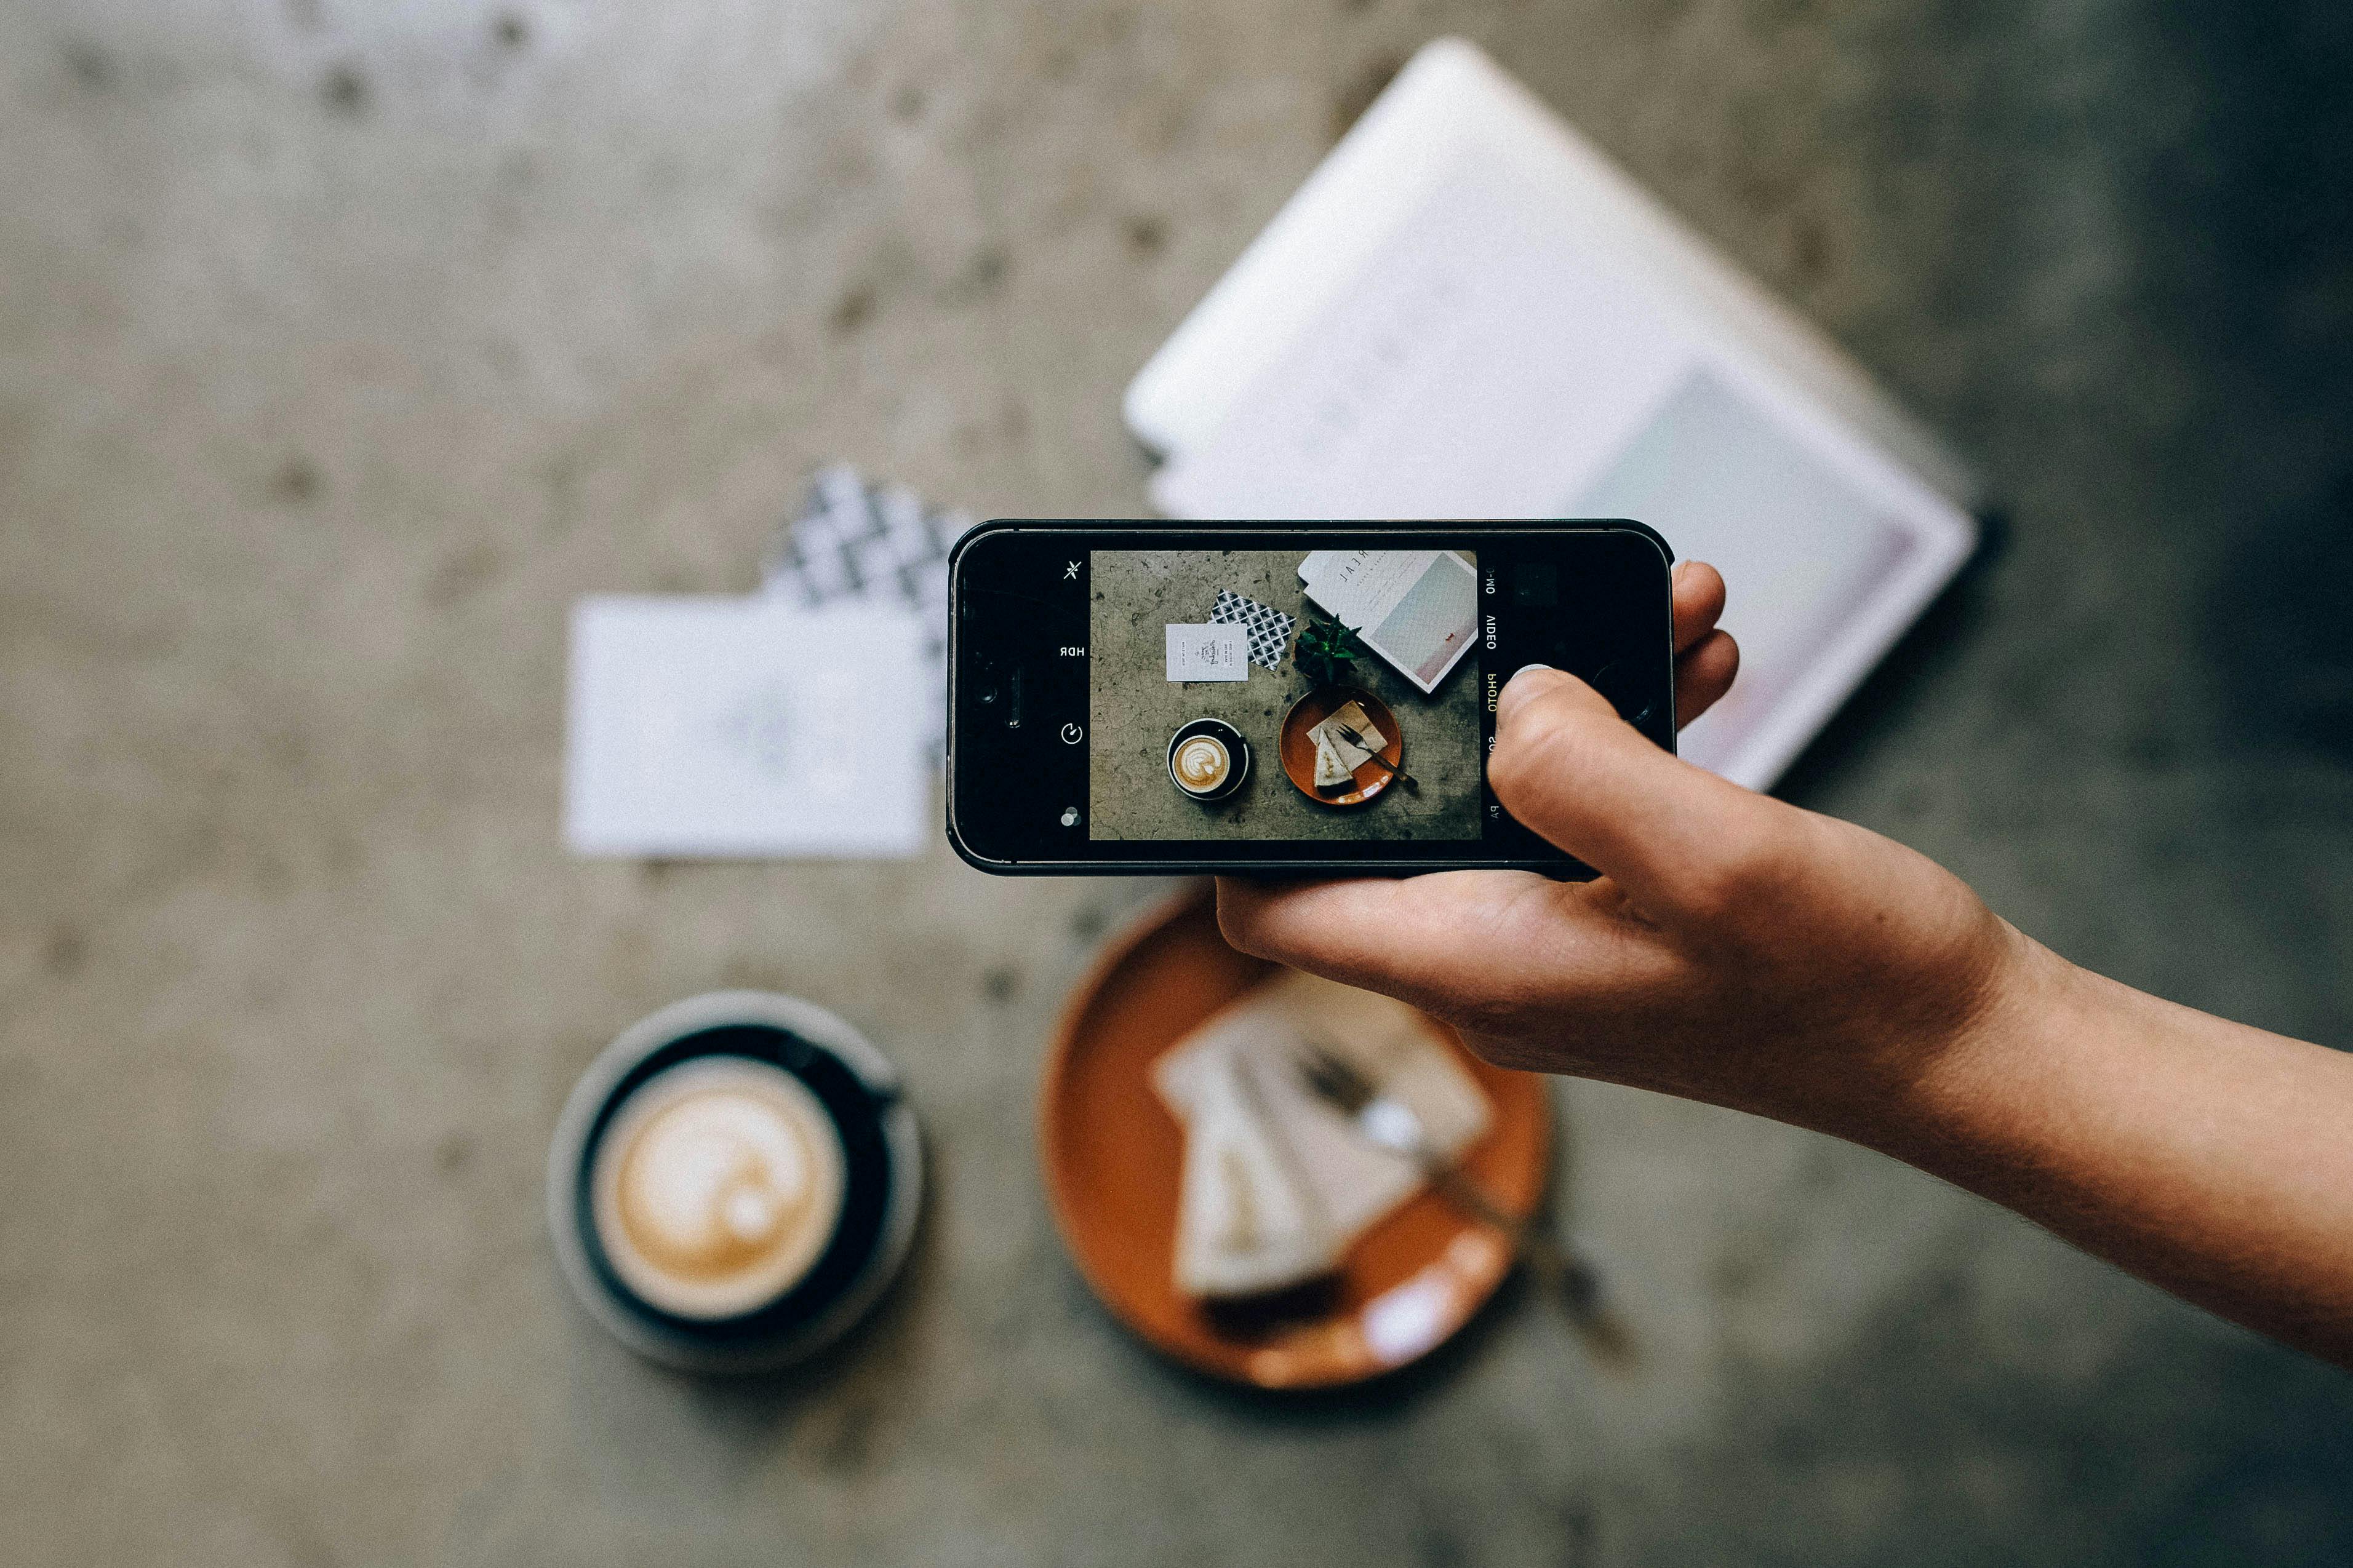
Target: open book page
{"points": [[1418, 609]]}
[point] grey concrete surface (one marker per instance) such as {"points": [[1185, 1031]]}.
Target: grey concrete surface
{"points": [[342, 346], [1132, 711]]}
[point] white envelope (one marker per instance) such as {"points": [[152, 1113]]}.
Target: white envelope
{"points": [[742, 727]]}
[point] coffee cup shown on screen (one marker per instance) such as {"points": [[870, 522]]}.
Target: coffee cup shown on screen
{"points": [[1202, 763], [1209, 759], [733, 1182]]}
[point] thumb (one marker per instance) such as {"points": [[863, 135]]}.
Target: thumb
{"points": [[1566, 766]]}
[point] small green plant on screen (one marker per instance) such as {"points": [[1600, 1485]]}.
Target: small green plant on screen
{"points": [[1325, 650]]}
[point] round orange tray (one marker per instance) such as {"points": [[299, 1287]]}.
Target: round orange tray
{"points": [[1111, 1153]]}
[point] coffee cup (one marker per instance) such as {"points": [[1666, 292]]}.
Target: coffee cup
{"points": [[1208, 759], [733, 1182]]}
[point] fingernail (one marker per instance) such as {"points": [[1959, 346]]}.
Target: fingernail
{"points": [[1504, 700]]}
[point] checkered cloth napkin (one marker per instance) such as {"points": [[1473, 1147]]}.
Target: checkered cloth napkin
{"points": [[1268, 628], [856, 541]]}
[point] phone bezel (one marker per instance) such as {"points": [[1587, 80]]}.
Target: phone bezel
{"points": [[1242, 534]]}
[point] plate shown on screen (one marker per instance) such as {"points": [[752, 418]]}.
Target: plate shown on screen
{"points": [[1299, 749]]}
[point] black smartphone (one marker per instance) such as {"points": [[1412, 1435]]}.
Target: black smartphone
{"points": [[1150, 697]]}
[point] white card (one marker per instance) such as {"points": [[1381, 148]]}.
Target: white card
{"points": [[743, 727], [1209, 652]]}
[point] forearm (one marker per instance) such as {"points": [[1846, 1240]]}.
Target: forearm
{"points": [[2211, 1159]]}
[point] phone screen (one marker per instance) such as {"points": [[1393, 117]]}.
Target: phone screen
{"points": [[1277, 694]]}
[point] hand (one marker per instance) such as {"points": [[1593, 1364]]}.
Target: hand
{"points": [[1739, 950], [1735, 949]]}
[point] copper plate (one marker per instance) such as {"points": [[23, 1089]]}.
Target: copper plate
{"points": [[1112, 1154], [1299, 751]]}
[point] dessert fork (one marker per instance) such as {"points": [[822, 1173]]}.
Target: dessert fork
{"points": [[1388, 1122], [1348, 734]]}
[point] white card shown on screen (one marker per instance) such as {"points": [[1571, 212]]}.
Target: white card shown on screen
{"points": [[1208, 653]]}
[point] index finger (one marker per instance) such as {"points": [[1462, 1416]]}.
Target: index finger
{"points": [[1697, 598]]}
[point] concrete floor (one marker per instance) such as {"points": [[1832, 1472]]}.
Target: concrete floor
{"points": [[342, 346]]}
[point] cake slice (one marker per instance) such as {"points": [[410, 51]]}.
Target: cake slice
{"points": [[1248, 1221]]}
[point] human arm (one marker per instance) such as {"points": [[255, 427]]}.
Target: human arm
{"points": [[1740, 950]]}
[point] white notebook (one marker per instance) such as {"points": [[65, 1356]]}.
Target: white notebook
{"points": [[1468, 311]]}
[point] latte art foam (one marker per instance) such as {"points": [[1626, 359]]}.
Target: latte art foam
{"points": [[717, 1186], [1202, 763]]}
